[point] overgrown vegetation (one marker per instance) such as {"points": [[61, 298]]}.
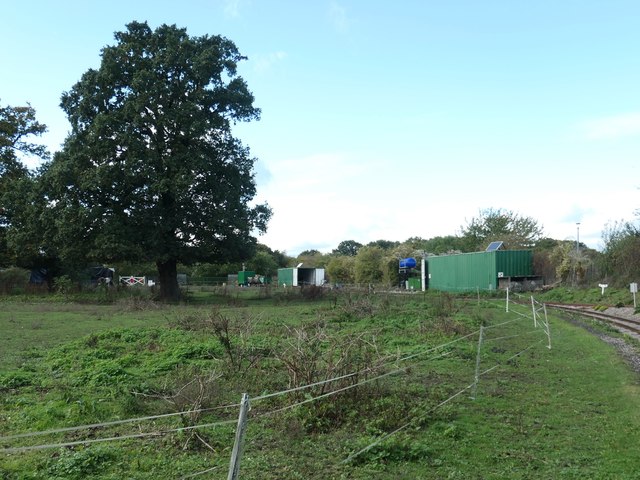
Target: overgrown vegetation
{"points": [[374, 363]]}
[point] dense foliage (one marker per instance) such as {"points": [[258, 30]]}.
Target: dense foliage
{"points": [[492, 225], [621, 256], [151, 170], [17, 126]]}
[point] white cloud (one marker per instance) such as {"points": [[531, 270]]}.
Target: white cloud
{"points": [[616, 126], [264, 62], [232, 8], [316, 200], [338, 16]]}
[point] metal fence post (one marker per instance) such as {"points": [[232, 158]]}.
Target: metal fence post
{"points": [[477, 375], [546, 320], [236, 454], [507, 308]]}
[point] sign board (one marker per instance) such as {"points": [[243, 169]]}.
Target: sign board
{"points": [[633, 287]]}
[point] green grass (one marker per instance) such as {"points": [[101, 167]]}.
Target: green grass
{"points": [[568, 412], [612, 297], [35, 327]]}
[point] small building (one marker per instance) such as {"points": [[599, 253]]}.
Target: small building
{"points": [[487, 270], [298, 276]]}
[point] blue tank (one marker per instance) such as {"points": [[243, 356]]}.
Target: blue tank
{"points": [[408, 262]]}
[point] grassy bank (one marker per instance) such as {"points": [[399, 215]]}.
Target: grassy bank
{"points": [[378, 364]]}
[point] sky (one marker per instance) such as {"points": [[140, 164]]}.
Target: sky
{"points": [[390, 120]]}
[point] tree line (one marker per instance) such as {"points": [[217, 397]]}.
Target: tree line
{"points": [[150, 178], [560, 262]]}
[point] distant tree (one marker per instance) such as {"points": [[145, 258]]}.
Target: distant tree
{"points": [[370, 265], [546, 244], [309, 253], [500, 225], [347, 247], [620, 260], [281, 259], [543, 255], [263, 264], [415, 244], [210, 270], [341, 269], [564, 261], [443, 245], [383, 244], [150, 170], [312, 258], [17, 126], [573, 267], [390, 269]]}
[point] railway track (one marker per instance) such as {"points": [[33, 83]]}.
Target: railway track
{"points": [[625, 323]]}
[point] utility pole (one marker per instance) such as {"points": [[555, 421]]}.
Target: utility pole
{"points": [[578, 238]]}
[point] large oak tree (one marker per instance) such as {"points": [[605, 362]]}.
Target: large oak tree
{"points": [[150, 170]]}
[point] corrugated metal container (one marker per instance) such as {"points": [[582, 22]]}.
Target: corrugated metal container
{"points": [[479, 270], [286, 277], [244, 276], [295, 277], [514, 263]]}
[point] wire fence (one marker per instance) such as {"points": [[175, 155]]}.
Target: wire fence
{"points": [[464, 350]]}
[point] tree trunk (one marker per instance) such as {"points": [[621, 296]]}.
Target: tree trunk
{"points": [[168, 274]]}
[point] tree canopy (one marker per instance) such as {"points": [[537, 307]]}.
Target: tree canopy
{"points": [[369, 266], [151, 170], [347, 247], [620, 260], [499, 224], [17, 127]]}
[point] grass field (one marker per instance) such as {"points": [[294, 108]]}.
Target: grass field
{"points": [[392, 379]]}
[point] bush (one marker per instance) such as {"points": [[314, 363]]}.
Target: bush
{"points": [[312, 292], [15, 379], [13, 281], [63, 285], [79, 464]]}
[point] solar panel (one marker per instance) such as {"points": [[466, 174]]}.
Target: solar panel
{"points": [[493, 246]]}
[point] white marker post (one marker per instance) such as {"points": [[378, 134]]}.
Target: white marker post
{"points": [[634, 289], [507, 307]]}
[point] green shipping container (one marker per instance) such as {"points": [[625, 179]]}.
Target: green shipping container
{"points": [[285, 277], [244, 277], [479, 270]]}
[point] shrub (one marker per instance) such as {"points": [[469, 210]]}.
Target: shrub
{"points": [[63, 285], [80, 464], [312, 292], [13, 281], [15, 379]]}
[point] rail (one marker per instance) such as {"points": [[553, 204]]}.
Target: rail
{"points": [[624, 324]]}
